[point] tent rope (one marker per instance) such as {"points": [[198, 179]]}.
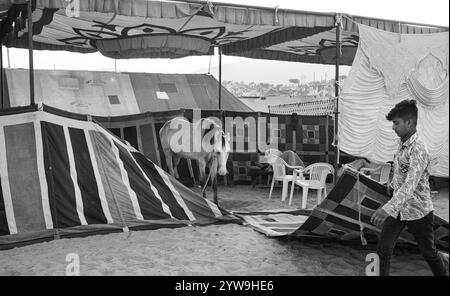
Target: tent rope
{"points": [[209, 67], [349, 19], [276, 15], [361, 226], [207, 3], [206, 183]]}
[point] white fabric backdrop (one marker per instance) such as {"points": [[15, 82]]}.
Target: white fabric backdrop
{"points": [[387, 69]]}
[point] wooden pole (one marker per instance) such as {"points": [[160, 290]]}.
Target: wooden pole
{"points": [[336, 93], [30, 50]]}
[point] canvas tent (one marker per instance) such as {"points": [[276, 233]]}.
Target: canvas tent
{"points": [[64, 176], [118, 94]]}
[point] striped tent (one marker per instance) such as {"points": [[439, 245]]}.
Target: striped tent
{"points": [[66, 176]]}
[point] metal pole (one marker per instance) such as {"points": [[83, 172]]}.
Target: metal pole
{"points": [[1, 76], [7, 55], [336, 93], [30, 50], [220, 78], [216, 199]]}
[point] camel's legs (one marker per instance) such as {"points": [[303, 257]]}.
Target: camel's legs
{"points": [[176, 161], [191, 171], [202, 171], [168, 155], [213, 172], [202, 174]]}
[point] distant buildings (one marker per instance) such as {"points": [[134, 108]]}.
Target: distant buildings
{"points": [[260, 96]]}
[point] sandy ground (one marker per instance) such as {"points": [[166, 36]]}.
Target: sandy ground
{"points": [[209, 250]]}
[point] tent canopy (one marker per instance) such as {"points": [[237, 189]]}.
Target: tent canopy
{"points": [[173, 29]]}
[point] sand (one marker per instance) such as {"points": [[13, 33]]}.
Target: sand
{"points": [[209, 250]]}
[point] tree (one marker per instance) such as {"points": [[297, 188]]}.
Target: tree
{"points": [[294, 81]]}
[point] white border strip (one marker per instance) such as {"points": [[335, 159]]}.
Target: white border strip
{"points": [[5, 185], [124, 175], [214, 208], [43, 116], [56, 119], [254, 223], [73, 175], [41, 172], [98, 179], [165, 207], [175, 193]]}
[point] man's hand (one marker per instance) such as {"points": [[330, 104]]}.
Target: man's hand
{"points": [[378, 217]]}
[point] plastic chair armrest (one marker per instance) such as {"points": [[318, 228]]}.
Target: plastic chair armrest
{"points": [[298, 172], [295, 167], [363, 170]]}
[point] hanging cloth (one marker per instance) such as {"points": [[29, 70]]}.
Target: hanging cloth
{"points": [[388, 68]]}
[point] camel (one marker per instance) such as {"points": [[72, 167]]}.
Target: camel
{"points": [[210, 148]]}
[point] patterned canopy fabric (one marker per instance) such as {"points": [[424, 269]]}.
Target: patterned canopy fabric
{"points": [[173, 29]]}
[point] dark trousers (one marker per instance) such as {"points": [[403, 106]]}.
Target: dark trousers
{"points": [[422, 229]]}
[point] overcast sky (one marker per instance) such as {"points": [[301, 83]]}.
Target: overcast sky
{"points": [[435, 12]]}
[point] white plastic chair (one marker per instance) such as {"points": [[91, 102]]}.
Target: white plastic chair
{"points": [[279, 174], [270, 152], [292, 159], [269, 159], [318, 173], [381, 170]]}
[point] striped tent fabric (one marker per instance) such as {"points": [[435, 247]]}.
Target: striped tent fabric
{"points": [[345, 213], [275, 223], [65, 176]]}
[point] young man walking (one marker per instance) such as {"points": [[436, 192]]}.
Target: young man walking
{"points": [[410, 205]]}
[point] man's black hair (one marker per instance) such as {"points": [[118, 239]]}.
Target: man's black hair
{"points": [[406, 109]]}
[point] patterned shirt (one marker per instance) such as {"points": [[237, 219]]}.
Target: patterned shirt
{"points": [[412, 196]]}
